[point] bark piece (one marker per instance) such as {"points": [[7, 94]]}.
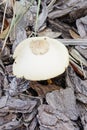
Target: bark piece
{"points": [[51, 119], [28, 117], [60, 27], [7, 118], [17, 86], [33, 124], [10, 125], [19, 105], [64, 101], [71, 9], [79, 86], [83, 114], [82, 26], [3, 101], [82, 51]]}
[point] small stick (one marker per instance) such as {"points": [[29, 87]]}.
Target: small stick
{"points": [[74, 42]]}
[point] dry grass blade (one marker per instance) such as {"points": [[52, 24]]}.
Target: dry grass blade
{"points": [[51, 4], [3, 2], [37, 15], [16, 19], [4, 16]]}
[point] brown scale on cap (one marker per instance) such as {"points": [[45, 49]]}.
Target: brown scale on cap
{"points": [[39, 47]]}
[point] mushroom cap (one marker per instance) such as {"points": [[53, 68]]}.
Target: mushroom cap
{"points": [[40, 58]]}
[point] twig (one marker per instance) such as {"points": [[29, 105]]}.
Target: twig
{"points": [[74, 42]]}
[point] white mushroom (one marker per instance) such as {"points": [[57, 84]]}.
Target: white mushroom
{"points": [[40, 58]]}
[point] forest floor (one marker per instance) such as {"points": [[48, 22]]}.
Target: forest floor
{"points": [[61, 102]]}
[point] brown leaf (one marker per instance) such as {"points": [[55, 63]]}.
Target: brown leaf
{"points": [[73, 34], [6, 29], [48, 32], [43, 89]]}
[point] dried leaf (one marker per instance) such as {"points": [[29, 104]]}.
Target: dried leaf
{"points": [[5, 31], [48, 32], [43, 89], [76, 55], [73, 34], [78, 69], [78, 62]]}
